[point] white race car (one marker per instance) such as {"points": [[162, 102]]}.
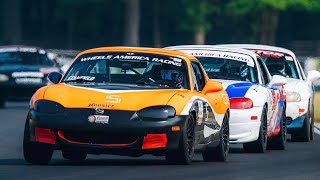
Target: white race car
{"points": [[257, 103], [299, 89]]}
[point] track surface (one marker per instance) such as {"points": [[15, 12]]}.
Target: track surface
{"points": [[299, 161]]}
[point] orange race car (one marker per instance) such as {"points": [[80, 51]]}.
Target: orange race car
{"points": [[129, 101]]}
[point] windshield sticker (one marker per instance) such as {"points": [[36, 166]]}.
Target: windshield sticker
{"points": [[87, 78], [95, 58], [269, 53], [28, 80], [171, 60], [27, 74], [16, 49], [289, 58], [222, 54], [272, 54]]}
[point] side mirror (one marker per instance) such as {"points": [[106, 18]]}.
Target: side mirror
{"points": [[212, 86], [277, 81], [54, 77], [313, 75]]}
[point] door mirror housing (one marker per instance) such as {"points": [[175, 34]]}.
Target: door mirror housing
{"points": [[277, 81], [313, 75], [54, 77], [212, 86]]}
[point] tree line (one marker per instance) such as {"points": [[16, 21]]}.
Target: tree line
{"points": [[79, 24]]}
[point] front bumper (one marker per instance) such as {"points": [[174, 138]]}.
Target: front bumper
{"points": [[296, 113], [125, 134], [242, 128]]}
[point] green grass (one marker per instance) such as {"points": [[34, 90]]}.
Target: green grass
{"points": [[317, 107]]}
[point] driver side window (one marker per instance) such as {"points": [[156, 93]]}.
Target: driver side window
{"points": [[198, 76], [264, 71]]}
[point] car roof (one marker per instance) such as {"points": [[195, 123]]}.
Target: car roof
{"points": [[213, 47], [260, 47], [167, 52]]}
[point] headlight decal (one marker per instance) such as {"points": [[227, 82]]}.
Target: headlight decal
{"points": [[45, 106], [157, 112]]}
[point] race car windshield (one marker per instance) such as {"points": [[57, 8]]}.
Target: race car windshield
{"points": [[283, 66], [221, 68], [25, 58], [129, 68]]}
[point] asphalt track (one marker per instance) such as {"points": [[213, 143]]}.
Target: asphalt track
{"points": [[300, 161]]}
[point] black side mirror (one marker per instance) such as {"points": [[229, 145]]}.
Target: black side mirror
{"points": [[54, 77]]}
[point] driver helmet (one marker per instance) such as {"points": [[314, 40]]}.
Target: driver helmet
{"points": [[172, 75]]}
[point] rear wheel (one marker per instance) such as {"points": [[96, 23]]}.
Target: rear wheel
{"points": [[279, 142], [220, 152], [260, 145], [35, 153], [74, 155], [185, 151], [303, 135]]}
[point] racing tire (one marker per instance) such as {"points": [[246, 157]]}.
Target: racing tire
{"points": [[184, 153], [279, 142], [220, 152], [74, 155], [35, 153], [260, 145], [303, 135]]}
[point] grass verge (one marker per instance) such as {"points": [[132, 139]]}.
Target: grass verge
{"points": [[317, 107]]}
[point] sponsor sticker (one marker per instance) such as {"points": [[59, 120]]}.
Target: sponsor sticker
{"points": [[101, 105], [28, 80], [87, 78], [200, 112], [113, 99], [101, 119]]}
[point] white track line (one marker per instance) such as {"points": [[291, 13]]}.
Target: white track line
{"points": [[317, 131], [317, 128]]}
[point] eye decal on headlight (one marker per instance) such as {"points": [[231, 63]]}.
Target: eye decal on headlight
{"points": [[157, 112], [45, 106], [293, 97]]}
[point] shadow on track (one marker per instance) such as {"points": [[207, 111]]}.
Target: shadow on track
{"points": [[93, 162]]}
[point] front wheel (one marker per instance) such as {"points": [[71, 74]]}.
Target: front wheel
{"points": [[260, 145], [219, 153], [185, 151], [35, 153]]}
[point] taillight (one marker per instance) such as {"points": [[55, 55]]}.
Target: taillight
{"points": [[241, 103]]}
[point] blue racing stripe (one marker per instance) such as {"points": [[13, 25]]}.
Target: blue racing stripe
{"points": [[238, 89]]}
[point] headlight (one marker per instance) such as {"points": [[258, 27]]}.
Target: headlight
{"points": [[293, 97], [45, 106], [3, 78], [157, 112]]}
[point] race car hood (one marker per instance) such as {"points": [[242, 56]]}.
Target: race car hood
{"points": [[304, 88], [235, 88], [107, 97], [292, 85]]}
